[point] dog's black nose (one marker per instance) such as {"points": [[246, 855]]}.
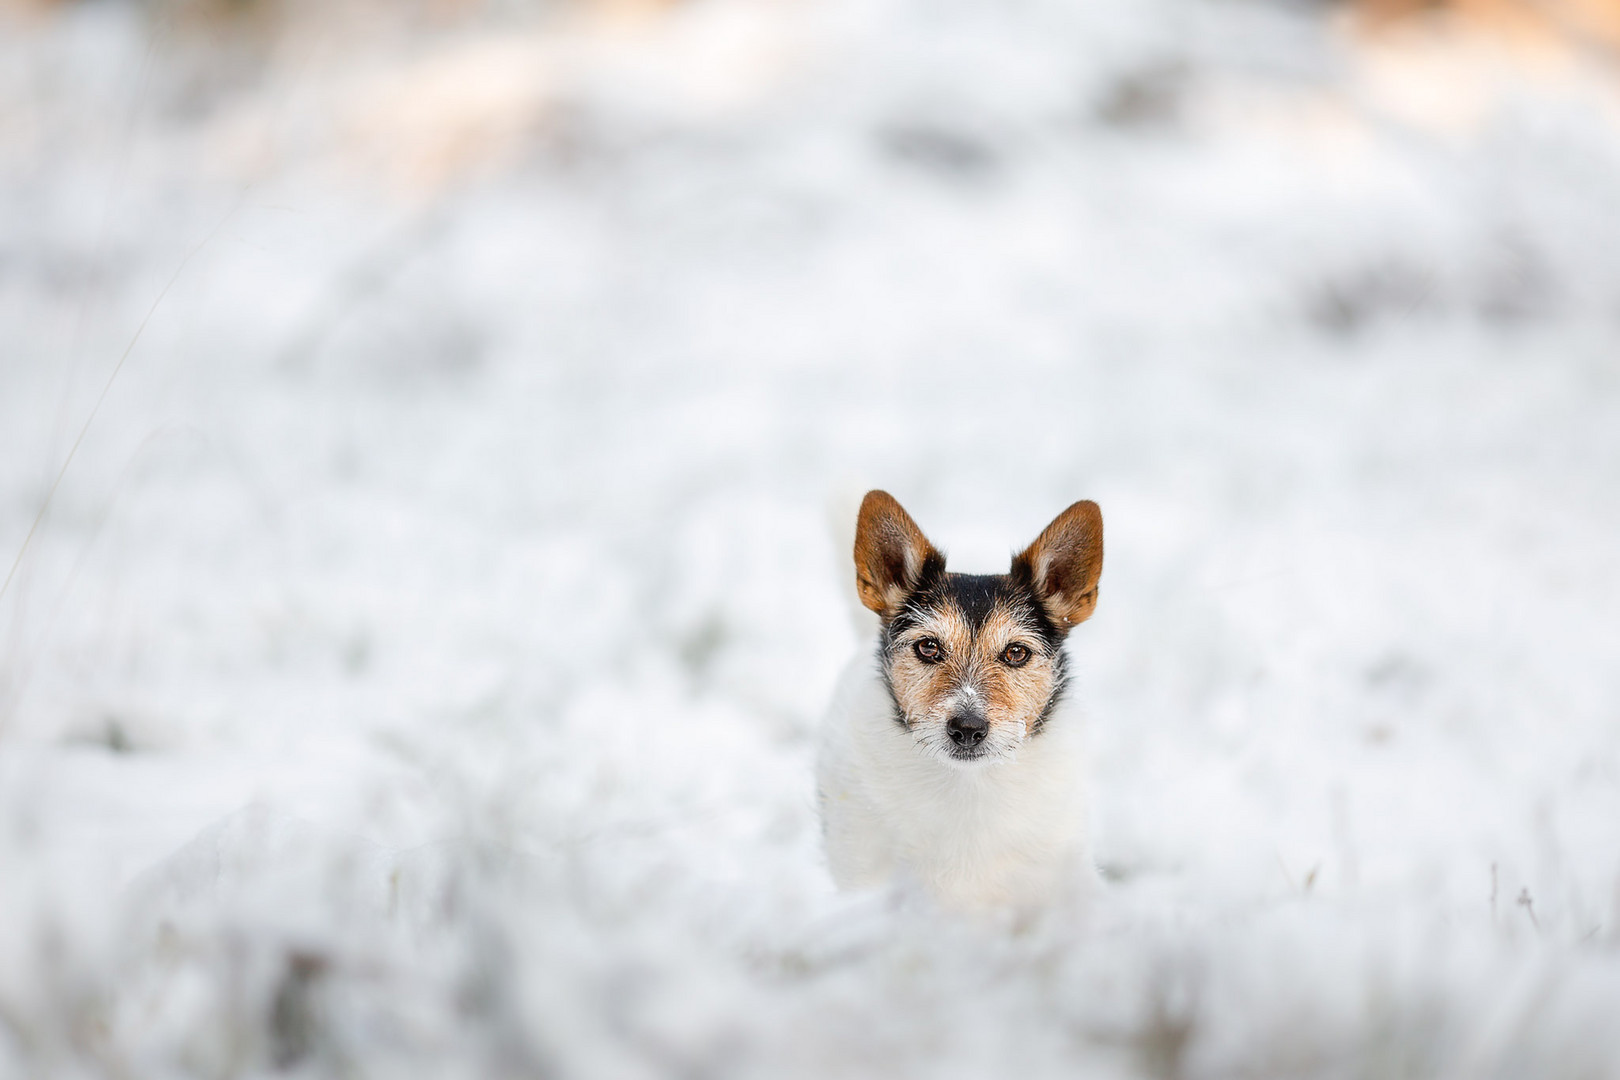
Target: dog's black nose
{"points": [[967, 729]]}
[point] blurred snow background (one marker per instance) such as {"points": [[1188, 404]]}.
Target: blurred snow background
{"points": [[448, 419]]}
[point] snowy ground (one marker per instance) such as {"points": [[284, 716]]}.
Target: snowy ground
{"points": [[417, 669]]}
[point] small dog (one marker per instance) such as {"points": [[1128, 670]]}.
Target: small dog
{"points": [[951, 758]]}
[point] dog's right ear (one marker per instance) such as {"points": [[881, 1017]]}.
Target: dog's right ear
{"points": [[892, 556], [1064, 563]]}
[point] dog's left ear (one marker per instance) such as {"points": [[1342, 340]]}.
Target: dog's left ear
{"points": [[892, 556], [1064, 563]]}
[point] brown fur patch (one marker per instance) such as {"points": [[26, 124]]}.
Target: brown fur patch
{"points": [[1065, 563], [890, 553]]}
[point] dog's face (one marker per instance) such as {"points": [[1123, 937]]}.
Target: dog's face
{"points": [[974, 662]]}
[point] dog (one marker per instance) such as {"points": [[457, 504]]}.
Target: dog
{"points": [[951, 757]]}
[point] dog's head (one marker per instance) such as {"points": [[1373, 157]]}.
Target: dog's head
{"points": [[975, 662]]}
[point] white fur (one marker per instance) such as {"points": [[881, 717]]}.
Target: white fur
{"points": [[1004, 833]]}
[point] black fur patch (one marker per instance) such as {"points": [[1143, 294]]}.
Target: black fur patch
{"points": [[883, 653], [1059, 686], [976, 595]]}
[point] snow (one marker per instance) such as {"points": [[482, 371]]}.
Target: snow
{"points": [[416, 670]]}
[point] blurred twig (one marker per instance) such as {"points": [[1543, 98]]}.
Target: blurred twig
{"points": [[368, 277], [73, 450]]}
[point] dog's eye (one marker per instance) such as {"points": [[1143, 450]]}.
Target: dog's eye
{"points": [[928, 650], [1015, 655]]}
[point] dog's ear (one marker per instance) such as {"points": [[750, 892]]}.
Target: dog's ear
{"points": [[892, 556], [1064, 563]]}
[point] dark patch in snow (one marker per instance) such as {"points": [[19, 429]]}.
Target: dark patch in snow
{"points": [[952, 154], [1351, 302], [295, 1023], [1152, 97]]}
